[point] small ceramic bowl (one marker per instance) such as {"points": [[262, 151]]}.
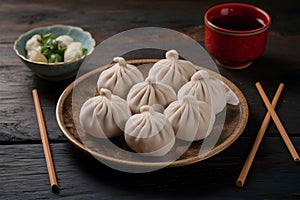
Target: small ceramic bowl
{"points": [[235, 34], [61, 70]]}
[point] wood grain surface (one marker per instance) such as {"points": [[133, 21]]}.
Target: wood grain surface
{"points": [[23, 173], [82, 177]]}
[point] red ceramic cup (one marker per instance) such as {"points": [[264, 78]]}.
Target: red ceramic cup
{"points": [[235, 34]]}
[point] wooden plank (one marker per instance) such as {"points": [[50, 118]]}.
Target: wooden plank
{"points": [[8, 56], [17, 117], [23, 175], [104, 19]]}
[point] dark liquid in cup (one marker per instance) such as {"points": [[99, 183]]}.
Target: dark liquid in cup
{"points": [[237, 23]]}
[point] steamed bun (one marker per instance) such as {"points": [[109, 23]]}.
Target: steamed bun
{"points": [[150, 92], [120, 77], [205, 88], [104, 115], [191, 120], [149, 133], [172, 71]]}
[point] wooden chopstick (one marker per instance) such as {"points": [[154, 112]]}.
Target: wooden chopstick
{"points": [[243, 175], [45, 142], [278, 124]]}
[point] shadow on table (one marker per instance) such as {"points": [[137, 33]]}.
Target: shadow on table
{"points": [[206, 177]]}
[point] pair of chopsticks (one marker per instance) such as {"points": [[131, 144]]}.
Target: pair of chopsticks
{"points": [[46, 146], [271, 113]]}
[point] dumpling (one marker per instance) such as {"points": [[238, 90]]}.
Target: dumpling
{"points": [[191, 120], [120, 77], [73, 52], [64, 40], [149, 133], [37, 56], [172, 71], [150, 92], [205, 88], [104, 115], [33, 44]]}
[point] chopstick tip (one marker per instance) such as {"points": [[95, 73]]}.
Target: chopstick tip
{"points": [[281, 84], [239, 183], [55, 188], [34, 91]]}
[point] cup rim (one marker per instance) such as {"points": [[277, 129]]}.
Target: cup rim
{"points": [[237, 32]]}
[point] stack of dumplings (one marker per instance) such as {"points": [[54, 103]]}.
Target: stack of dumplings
{"points": [[127, 104]]}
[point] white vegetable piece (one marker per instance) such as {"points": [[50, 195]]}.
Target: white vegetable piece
{"points": [[37, 56], [65, 40], [33, 44], [73, 52], [32, 53]]}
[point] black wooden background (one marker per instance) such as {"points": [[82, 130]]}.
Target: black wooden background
{"points": [[23, 173]]}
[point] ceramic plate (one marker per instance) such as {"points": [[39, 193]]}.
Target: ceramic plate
{"points": [[67, 114]]}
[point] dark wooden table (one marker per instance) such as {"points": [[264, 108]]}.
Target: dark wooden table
{"points": [[23, 172]]}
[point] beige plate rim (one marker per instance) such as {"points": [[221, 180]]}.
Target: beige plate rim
{"points": [[241, 124]]}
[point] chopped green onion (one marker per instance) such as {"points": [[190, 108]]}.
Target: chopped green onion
{"points": [[55, 58], [84, 51], [52, 49]]}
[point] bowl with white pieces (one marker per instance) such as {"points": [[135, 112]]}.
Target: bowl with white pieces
{"points": [[55, 52]]}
